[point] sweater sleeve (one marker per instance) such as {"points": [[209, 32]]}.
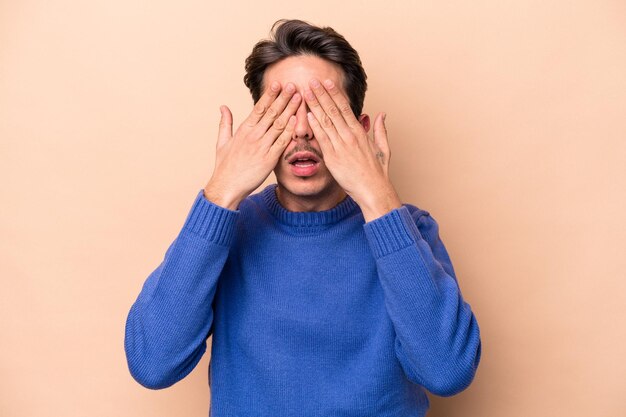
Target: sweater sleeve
{"points": [[437, 336], [168, 324]]}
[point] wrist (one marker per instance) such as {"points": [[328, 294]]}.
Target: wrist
{"points": [[220, 196], [379, 203]]}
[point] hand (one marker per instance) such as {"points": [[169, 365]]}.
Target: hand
{"points": [[245, 160], [360, 165]]}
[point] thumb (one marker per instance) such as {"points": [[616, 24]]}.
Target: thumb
{"points": [[226, 126]]}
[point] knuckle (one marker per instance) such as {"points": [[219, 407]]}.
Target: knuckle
{"points": [[346, 109], [279, 124], [281, 141], [326, 122], [271, 112], [259, 108], [333, 111]]}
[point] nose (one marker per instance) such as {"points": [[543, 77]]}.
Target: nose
{"points": [[302, 129]]}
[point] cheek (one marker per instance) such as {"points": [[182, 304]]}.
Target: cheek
{"points": [[281, 167]]}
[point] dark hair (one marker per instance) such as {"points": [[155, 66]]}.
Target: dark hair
{"points": [[296, 37]]}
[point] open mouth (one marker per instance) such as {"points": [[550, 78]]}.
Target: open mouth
{"points": [[304, 164]]}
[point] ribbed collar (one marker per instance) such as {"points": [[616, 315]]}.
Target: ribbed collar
{"points": [[311, 219]]}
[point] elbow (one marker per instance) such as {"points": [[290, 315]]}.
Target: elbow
{"points": [[457, 378], [146, 373], [141, 363], [159, 364], [447, 387], [146, 368], [154, 370], [150, 380]]}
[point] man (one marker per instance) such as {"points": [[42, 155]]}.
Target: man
{"points": [[325, 295]]}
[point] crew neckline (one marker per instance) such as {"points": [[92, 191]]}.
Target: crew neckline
{"points": [[311, 219]]}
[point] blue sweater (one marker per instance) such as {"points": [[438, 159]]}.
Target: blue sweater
{"points": [[312, 313]]}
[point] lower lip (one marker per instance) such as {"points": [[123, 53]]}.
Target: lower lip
{"points": [[306, 171]]}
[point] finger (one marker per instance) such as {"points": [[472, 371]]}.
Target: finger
{"points": [[280, 123], [323, 120], [281, 142], [275, 109], [261, 106], [343, 104], [322, 138], [330, 107], [380, 138], [226, 126]]}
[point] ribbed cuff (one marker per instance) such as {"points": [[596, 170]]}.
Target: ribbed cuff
{"points": [[211, 221], [393, 231]]}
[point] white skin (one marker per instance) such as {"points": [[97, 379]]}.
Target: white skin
{"points": [[282, 123]]}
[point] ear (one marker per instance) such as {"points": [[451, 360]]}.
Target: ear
{"points": [[364, 119]]}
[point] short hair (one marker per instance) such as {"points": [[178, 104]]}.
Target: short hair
{"points": [[297, 37]]}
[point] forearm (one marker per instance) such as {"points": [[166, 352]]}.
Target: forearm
{"points": [[438, 338], [168, 324]]}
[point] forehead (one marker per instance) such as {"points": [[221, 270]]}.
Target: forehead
{"points": [[300, 69]]}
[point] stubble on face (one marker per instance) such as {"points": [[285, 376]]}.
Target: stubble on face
{"points": [[320, 190], [302, 148]]}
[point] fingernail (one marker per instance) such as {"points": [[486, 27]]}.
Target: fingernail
{"points": [[328, 84], [314, 83], [295, 98], [275, 86], [290, 88]]}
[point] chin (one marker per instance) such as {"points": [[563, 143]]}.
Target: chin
{"points": [[304, 187]]}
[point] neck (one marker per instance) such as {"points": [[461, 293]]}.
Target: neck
{"points": [[325, 200]]}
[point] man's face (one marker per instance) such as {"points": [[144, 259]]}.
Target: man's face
{"points": [[313, 182]]}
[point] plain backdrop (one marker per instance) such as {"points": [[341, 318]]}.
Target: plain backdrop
{"points": [[506, 122]]}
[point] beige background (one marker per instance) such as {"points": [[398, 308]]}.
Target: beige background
{"points": [[506, 120]]}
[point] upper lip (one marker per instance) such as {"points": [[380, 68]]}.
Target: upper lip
{"points": [[303, 155]]}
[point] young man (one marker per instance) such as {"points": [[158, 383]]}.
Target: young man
{"points": [[325, 295]]}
